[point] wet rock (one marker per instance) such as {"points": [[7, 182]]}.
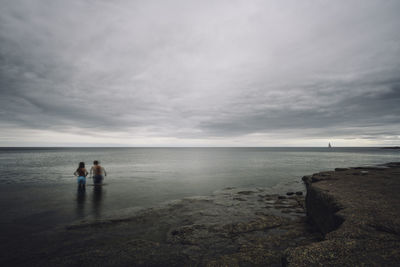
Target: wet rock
{"points": [[286, 211], [325, 174], [341, 169], [306, 179], [229, 188], [239, 199], [392, 164], [245, 192], [231, 228], [322, 208], [374, 168], [315, 179], [299, 193], [289, 193], [300, 202]]}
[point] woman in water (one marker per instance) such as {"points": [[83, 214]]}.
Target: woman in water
{"points": [[81, 172]]}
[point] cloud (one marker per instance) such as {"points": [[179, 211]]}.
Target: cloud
{"points": [[194, 70]]}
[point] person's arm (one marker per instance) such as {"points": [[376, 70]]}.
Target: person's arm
{"points": [[75, 173], [86, 173], [105, 174]]}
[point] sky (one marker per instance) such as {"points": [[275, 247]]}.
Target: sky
{"points": [[199, 73]]}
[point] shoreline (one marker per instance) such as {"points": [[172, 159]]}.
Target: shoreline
{"points": [[237, 227]]}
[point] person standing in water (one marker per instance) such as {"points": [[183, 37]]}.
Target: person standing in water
{"points": [[81, 173], [97, 171]]}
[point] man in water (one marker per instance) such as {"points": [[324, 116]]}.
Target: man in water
{"points": [[97, 171]]}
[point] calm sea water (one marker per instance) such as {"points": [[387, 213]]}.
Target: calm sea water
{"points": [[38, 190]]}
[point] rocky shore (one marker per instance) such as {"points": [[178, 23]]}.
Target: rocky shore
{"points": [[349, 217], [358, 211]]}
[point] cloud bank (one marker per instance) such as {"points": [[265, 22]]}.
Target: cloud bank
{"points": [[199, 72]]}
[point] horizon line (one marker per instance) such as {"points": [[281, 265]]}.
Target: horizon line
{"points": [[198, 146]]}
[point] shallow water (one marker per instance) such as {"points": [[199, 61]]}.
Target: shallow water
{"points": [[38, 190]]}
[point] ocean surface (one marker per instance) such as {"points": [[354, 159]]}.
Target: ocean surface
{"points": [[38, 190]]}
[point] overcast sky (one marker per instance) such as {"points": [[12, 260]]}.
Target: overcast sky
{"points": [[199, 73]]}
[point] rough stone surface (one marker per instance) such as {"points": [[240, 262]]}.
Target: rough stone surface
{"points": [[231, 228], [358, 210]]}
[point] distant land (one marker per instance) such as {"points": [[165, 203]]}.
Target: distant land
{"points": [[391, 147]]}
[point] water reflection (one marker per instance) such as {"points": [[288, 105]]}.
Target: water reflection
{"points": [[80, 201], [97, 200]]}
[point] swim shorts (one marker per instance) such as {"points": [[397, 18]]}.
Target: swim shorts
{"points": [[81, 180], [98, 179]]}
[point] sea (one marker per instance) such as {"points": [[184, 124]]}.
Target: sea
{"points": [[39, 192]]}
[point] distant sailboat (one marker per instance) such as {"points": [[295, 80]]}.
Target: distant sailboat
{"points": [[329, 145]]}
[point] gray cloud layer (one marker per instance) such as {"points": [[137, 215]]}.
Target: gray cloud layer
{"points": [[202, 69]]}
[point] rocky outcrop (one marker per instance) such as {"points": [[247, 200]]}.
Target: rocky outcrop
{"points": [[358, 211], [322, 210]]}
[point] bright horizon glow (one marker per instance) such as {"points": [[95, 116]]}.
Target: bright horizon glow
{"points": [[52, 140]]}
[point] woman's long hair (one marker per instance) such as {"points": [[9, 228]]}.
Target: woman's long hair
{"points": [[81, 166]]}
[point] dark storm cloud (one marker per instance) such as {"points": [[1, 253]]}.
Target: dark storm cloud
{"points": [[201, 69]]}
